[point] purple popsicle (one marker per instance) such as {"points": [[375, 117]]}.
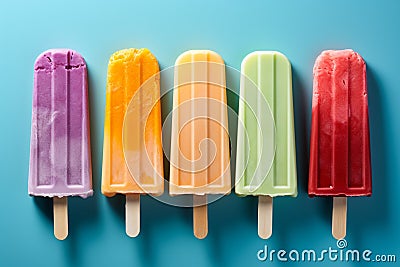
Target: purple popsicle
{"points": [[60, 161]]}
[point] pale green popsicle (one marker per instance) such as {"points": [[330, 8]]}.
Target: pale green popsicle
{"points": [[266, 154], [270, 72]]}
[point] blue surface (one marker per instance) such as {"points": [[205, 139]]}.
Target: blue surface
{"points": [[299, 29]]}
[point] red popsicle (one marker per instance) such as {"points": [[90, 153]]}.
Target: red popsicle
{"points": [[340, 152]]}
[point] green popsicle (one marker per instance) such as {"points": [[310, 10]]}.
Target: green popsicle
{"points": [[266, 154]]}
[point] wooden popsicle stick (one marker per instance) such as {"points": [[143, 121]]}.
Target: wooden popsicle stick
{"points": [[60, 213], [200, 221], [265, 206], [339, 214], [132, 214]]}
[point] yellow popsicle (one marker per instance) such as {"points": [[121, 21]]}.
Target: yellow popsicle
{"points": [[132, 131]]}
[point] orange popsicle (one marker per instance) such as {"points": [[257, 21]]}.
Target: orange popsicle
{"points": [[132, 152], [199, 141]]}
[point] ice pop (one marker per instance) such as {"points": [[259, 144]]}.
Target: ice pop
{"points": [[132, 153], [339, 149], [266, 153], [60, 159], [200, 159]]}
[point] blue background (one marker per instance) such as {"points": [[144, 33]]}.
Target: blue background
{"points": [[299, 29]]}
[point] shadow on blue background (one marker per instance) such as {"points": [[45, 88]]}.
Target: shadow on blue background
{"points": [[373, 211]]}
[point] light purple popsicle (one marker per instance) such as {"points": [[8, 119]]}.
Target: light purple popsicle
{"points": [[60, 160]]}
